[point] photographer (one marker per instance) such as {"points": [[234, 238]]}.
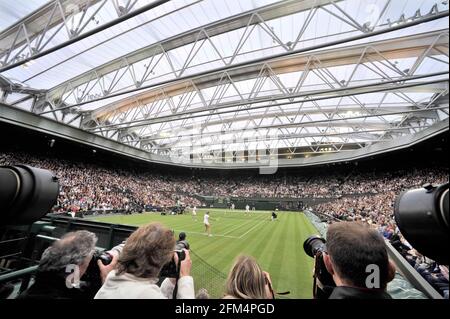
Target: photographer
{"points": [[62, 266], [182, 242], [351, 248], [248, 281], [136, 276]]}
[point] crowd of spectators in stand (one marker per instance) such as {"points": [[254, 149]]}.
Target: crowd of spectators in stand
{"points": [[370, 197], [86, 187], [435, 274]]}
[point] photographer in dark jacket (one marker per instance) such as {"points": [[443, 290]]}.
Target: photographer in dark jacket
{"points": [[182, 242], [62, 266], [358, 261]]}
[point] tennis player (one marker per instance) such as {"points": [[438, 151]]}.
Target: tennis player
{"points": [[207, 224]]}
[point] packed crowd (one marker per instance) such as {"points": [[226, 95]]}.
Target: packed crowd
{"points": [[373, 196], [431, 271], [86, 187]]}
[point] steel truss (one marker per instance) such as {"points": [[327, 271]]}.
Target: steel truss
{"points": [[166, 116], [60, 23], [15, 93], [294, 99], [122, 75]]}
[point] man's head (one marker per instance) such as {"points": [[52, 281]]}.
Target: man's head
{"points": [[182, 236], [351, 248], [74, 248]]}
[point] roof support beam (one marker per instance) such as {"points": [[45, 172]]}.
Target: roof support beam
{"points": [[32, 121], [308, 97], [27, 34], [61, 92], [197, 35], [359, 55]]}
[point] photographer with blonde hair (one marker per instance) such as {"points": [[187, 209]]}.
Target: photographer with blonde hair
{"points": [[247, 280]]}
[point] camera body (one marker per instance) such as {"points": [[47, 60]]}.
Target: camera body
{"points": [[92, 278], [315, 247], [103, 256], [182, 244], [171, 269]]}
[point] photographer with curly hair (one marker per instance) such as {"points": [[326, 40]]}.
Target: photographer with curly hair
{"points": [[136, 276], [65, 259]]}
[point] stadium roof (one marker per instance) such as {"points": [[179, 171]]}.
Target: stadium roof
{"points": [[218, 80]]}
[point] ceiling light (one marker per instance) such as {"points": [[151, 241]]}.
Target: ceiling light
{"points": [[27, 64]]}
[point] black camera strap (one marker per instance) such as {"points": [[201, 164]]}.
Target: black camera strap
{"points": [[274, 294], [175, 289]]}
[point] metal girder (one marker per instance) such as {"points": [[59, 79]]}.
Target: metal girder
{"points": [[358, 123], [299, 94], [155, 52], [358, 57], [297, 99], [88, 87], [329, 120], [72, 20], [289, 116], [15, 94], [11, 86], [420, 110], [168, 120], [32, 121], [419, 120], [369, 132], [35, 25]]}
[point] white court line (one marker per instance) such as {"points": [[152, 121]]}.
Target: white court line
{"points": [[204, 234], [237, 227], [251, 229]]}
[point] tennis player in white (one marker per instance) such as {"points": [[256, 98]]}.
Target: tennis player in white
{"points": [[207, 224], [194, 212]]}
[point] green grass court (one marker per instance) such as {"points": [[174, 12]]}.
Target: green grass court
{"points": [[278, 245]]}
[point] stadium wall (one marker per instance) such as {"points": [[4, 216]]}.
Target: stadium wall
{"points": [[292, 204]]}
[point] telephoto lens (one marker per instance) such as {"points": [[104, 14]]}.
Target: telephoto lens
{"points": [[313, 245], [26, 194], [423, 219]]}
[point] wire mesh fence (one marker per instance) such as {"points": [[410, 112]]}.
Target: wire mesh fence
{"points": [[210, 282], [206, 277]]}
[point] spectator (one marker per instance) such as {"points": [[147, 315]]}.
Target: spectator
{"points": [[145, 252], [351, 248], [248, 281]]}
